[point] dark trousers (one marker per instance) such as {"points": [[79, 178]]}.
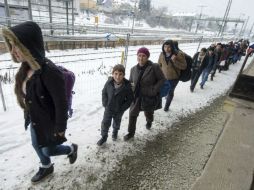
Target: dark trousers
{"points": [[106, 122], [195, 78], [133, 121], [170, 96]]}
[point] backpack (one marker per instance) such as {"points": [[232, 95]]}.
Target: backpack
{"points": [[69, 77], [185, 75]]}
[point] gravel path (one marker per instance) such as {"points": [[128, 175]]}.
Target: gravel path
{"points": [[174, 159]]}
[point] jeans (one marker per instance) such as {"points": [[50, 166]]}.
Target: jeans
{"points": [[106, 122], [44, 153], [173, 84], [204, 76]]}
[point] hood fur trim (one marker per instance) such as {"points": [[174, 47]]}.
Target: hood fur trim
{"points": [[10, 36]]}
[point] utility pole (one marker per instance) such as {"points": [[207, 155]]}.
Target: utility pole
{"points": [[30, 10], [246, 25], [7, 13], [67, 16], [133, 19], [251, 29], [50, 18], [224, 21], [72, 16], [240, 33], [200, 15]]}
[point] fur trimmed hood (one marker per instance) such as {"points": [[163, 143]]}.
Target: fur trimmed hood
{"points": [[171, 44], [28, 38]]}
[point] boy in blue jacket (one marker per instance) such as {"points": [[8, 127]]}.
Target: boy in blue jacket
{"points": [[117, 96]]}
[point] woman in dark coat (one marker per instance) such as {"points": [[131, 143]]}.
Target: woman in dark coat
{"points": [[40, 91], [146, 79]]}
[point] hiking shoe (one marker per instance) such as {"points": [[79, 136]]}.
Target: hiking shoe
{"points": [[73, 156], [148, 125], [114, 135], [128, 136], [42, 174], [101, 141]]}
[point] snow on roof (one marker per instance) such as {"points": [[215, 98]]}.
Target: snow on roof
{"points": [[184, 14]]}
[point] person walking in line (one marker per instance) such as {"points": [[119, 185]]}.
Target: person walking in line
{"points": [[117, 96], [146, 79], [200, 61], [171, 62], [211, 61], [40, 91], [217, 55]]}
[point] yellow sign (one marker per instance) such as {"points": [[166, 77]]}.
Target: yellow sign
{"points": [[96, 19]]}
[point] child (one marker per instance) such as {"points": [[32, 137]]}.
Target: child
{"points": [[117, 97]]}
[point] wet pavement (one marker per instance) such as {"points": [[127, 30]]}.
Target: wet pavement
{"points": [[174, 159]]}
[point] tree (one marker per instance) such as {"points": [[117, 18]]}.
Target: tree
{"points": [[144, 5]]}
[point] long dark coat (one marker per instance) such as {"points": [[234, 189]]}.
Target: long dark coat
{"points": [[150, 85]]}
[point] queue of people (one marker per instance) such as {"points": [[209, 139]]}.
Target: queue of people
{"points": [[44, 101]]}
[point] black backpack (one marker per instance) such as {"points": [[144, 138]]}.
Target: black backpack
{"points": [[185, 75]]}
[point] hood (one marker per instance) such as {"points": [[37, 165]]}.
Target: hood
{"points": [[28, 38], [171, 43]]}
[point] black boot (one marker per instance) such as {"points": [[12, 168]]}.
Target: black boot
{"points": [[114, 135], [128, 136], [42, 174], [166, 108], [131, 128], [148, 125], [73, 156], [102, 141]]}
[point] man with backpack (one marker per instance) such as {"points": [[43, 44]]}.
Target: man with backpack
{"points": [[41, 93], [171, 62]]}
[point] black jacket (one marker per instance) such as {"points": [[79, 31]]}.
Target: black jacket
{"points": [[45, 102], [117, 100]]}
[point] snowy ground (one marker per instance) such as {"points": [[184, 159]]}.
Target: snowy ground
{"points": [[18, 161]]}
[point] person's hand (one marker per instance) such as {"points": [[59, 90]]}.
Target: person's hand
{"points": [[61, 134], [173, 57]]}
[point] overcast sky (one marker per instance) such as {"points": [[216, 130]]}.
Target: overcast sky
{"points": [[239, 8]]}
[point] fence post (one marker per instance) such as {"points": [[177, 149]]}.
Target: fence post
{"points": [[126, 49], [2, 96], [199, 42]]}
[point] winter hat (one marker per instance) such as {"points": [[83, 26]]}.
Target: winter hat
{"points": [[144, 51]]}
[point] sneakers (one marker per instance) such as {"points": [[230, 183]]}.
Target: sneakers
{"points": [[42, 174], [128, 136], [148, 125], [101, 141], [73, 156], [201, 86], [114, 135], [191, 89]]}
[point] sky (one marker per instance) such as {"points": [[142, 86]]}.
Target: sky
{"points": [[239, 8], [18, 161]]}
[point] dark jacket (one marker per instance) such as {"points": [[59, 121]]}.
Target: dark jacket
{"points": [[200, 66], [45, 103], [117, 100], [150, 85]]}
